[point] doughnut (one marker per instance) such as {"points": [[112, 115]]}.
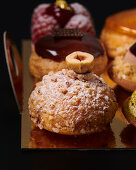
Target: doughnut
{"points": [[119, 32], [69, 103]]}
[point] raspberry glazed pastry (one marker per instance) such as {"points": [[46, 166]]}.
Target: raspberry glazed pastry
{"points": [[49, 52], [119, 32], [123, 69], [71, 102], [47, 17]]}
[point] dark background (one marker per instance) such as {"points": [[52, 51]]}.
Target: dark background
{"points": [[15, 17]]}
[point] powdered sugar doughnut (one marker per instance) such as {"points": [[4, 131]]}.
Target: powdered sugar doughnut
{"points": [[73, 104]]}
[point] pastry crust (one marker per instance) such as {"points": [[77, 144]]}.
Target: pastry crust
{"points": [[72, 104], [119, 32], [123, 73], [116, 43], [40, 66]]}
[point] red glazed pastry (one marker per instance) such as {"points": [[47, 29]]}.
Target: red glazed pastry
{"points": [[47, 17]]}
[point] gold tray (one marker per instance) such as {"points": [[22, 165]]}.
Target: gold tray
{"points": [[120, 134]]}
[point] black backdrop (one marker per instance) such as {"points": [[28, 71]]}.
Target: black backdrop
{"points": [[15, 17]]}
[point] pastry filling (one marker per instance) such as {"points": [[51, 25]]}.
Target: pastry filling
{"points": [[124, 70]]}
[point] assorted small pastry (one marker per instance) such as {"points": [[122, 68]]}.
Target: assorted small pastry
{"points": [[49, 51], [129, 109], [66, 59], [47, 17], [119, 32], [123, 69], [73, 102]]}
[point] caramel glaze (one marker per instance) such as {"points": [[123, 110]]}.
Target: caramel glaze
{"points": [[124, 22], [58, 48]]}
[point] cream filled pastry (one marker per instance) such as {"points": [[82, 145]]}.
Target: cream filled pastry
{"points": [[60, 14], [70, 103], [123, 69], [119, 32], [49, 52]]}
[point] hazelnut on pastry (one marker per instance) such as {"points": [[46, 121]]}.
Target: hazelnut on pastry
{"points": [[123, 69], [49, 52], [119, 32], [69, 103]]}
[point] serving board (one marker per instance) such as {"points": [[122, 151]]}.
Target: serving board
{"points": [[120, 134]]}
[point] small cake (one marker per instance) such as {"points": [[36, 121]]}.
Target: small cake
{"points": [[129, 109], [123, 69], [119, 32], [73, 103], [47, 17], [49, 52]]}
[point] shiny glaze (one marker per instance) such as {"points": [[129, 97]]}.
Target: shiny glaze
{"points": [[61, 15], [123, 22], [58, 48]]}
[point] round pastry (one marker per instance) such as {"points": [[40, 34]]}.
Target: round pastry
{"points": [[119, 32], [72, 104], [49, 52], [123, 69], [129, 109], [47, 17]]}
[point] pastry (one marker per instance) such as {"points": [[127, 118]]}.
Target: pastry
{"points": [[69, 103], [129, 109], [123, 69], [119, 32], [47, 17], [49, 52]]}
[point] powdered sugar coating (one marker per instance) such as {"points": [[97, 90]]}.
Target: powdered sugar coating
{"points": [[70, 103], [39, 11], [80, 9], [43, 24], [80, 22]]}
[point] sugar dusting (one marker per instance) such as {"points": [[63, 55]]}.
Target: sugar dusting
{"points": [[87, 99]]}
